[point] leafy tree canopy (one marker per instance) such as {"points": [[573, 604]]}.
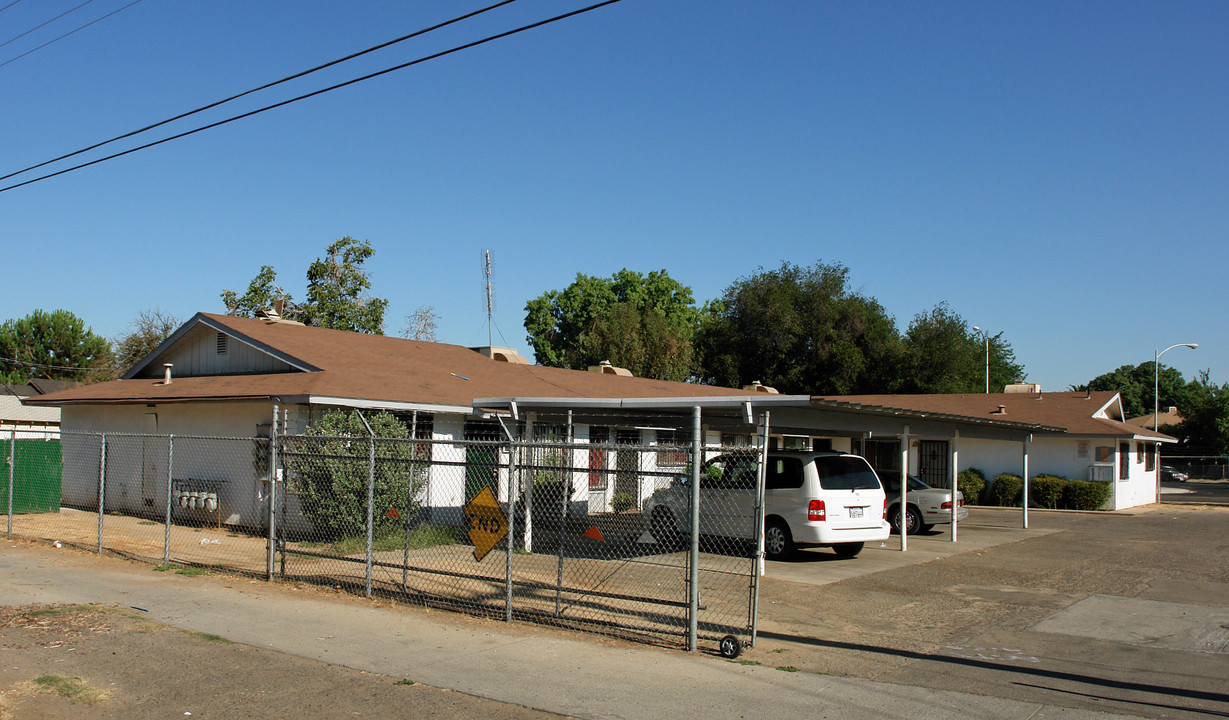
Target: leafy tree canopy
{"points": [[1136, 386], [337, 292], [143, 335], [944, 355], [1205, 427], [801, 330], [645, 323], [55, 345]]}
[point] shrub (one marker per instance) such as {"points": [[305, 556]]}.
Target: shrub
{"points": [[1007, 490], [329, 473], [622, 501], [1046, 491], [971, 483], [1085, 495]]}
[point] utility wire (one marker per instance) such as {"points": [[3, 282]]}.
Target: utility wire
{"points": [[331, 88], [70, 32], [36, 27], [6, 7], [266, 86]]}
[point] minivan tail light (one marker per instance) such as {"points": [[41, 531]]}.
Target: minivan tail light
{"points": [[885, 508], [816, 511]]}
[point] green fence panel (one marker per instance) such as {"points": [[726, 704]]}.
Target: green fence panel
{"points": [[36, 477]]}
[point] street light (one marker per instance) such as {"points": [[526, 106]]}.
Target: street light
{"points": [[987, 339], [1156, 388]]}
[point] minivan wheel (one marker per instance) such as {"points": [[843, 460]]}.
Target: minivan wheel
{"points": [[778, 543], [847, 550]]}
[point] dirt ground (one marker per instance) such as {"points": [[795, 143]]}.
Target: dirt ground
{"points": [[92, 662]]}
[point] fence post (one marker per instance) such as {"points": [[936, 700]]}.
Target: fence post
{"points": [[693, 556], [758, 569], [270, 498], [563, 518], [102, 487], [409, 502], [12, 467], [371, 501], [170, 471]]}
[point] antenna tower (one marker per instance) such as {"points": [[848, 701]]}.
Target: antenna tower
{"points": [[490, 294]]}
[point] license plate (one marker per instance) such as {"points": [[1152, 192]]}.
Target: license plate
{"points": [[855, 512]]}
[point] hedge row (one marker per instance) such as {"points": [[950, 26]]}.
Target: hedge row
{"points": [[1047, 491]]}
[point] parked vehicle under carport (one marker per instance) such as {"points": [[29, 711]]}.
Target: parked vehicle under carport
{"points": [[925, 506]]}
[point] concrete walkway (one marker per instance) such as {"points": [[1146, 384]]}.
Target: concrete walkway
{"points": [[577, 675]]}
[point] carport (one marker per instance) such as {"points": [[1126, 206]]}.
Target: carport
{"points": [[762, 414], [765, 414]]}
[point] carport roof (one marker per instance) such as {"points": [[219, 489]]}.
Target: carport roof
{"points": [[800, 413]]}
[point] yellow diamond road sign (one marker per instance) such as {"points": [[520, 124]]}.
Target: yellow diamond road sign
{"points": [[487, 524]]}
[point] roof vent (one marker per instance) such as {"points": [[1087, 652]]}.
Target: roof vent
{"points": [[502, 354], [759, 387], [605, 368], [166, 373], [1023, 388], [1001, 411]]}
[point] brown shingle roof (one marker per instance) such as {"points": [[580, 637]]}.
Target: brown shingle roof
{"points": [[1075, 412], [371, 367]]}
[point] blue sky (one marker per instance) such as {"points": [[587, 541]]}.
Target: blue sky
{"points": [[1055, 171]]}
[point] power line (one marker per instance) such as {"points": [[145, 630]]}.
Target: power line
{"points": [[70, 32], [6, 7], [266, 86], [331, 88], [36, 27], [41, 366]]}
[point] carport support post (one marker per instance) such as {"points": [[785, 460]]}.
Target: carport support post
{"points": [[955, 481], [693, 555], [12, 465], [271, 498], [102, 487], [1027, 440], [904, 487], [170, 469]]}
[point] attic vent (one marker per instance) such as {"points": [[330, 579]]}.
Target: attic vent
{"points": [[223, 343]]}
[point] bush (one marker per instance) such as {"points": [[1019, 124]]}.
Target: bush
{"points": [[328, 469], [1007, 490], [622, 501], [1046, 491], [1085, 495], [971, 483]]}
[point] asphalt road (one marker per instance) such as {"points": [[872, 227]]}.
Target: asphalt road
{"points": [[1195, 492]]}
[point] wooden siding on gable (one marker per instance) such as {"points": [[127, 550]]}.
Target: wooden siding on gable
{"points": [[196, 354]]}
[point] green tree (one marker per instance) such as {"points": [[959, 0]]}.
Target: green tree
{"points": [[944, 355], [645, 323], [262, 293], [54, 345], [801, 330], [1136, 385], [329, 468], [1205, 425], [337, 286], [143, 335]]}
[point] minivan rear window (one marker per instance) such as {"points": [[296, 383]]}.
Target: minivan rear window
{"points": [[845, 473]]}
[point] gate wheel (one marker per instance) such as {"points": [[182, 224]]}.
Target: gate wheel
{"points": [[730, 647]]}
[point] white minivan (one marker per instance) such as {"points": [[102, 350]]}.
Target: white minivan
{"points": [[810, 499]]}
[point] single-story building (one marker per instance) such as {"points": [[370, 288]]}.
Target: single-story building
{"points": [[29, 422], [1094, 442]]}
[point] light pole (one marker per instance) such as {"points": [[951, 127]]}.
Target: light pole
{"points": [[987, 339], [1156, 388]]}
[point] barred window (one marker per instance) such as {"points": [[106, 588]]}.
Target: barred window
{"points": [[674, 453]]}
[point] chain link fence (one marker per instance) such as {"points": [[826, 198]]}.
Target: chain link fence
{"points": [[597, 533], [1198, 467]]}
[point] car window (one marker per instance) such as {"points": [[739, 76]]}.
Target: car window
{"points": [[729, 472], [845, 473], [783, 473]]}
